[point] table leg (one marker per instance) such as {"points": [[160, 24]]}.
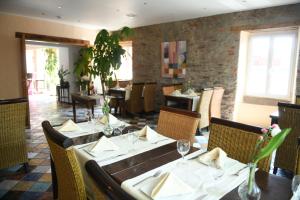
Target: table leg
{"points": [[74, 110], [92, 107], [190, 104]]}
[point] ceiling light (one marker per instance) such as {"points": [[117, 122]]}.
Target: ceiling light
{"points": [[132, 15], [59, 7]]}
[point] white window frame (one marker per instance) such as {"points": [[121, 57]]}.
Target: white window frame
{"points": [[291, 86]]}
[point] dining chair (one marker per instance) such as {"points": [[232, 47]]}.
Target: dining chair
{"points": [[105, 185], [13, 149], [237, 140], [298, 99], [69, 177], [177, 123], [287, 155], [216, 100], [167, 90], [149, 96], [204, 106], [135, 103]]}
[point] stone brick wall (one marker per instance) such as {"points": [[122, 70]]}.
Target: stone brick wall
{"points": [[212, 45]]}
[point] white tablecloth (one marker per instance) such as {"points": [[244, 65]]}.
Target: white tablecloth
{"points": [[125, 150], [204, 180]]}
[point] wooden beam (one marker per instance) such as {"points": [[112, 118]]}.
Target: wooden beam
{"points": [[47, 38]]}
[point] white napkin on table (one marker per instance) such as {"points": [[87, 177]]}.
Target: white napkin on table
{"points": [[112, 119], [103, 144], [190, 92], [215, 157], [167, 185], [69, 126], [148, 133]]}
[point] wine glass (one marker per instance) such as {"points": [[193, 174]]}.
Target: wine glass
{"points": [[183, 147], [295, 185]]}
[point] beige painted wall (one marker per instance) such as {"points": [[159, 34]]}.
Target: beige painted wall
{"points": [[10, 60]]}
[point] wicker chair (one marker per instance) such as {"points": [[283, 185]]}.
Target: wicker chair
{"points": [[135, 102], [12, 133], [287, 154], [298, 99], [69, 177], [216, 100], [105, 185], [149, 97], [204, 106], [237, 140], [177, 123]]}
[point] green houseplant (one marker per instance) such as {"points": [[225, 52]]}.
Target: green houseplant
{"points": [[61, 74]]}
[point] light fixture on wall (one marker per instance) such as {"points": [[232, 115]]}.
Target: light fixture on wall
{"points": [[131, 15]]}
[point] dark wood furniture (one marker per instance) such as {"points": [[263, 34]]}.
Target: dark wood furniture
{"points": [[180, 102], [274, 117], [63, 93], [273, 187], [118, 99], [84, 100]]}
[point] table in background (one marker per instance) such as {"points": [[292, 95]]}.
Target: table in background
{"points": [[88, 101], [63, 93], [273, 187], [181, 102], [274, 117], [118, 95]]}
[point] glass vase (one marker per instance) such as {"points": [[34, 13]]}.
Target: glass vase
{"points": [[108, 130], [249, 190]]}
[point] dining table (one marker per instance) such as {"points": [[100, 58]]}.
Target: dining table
{"points": [[133, 162]]}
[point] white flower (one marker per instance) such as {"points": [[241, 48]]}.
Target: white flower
{"points": [[275, 130]]}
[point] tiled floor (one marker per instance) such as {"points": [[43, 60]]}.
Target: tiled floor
{"points": [[14, 182]]}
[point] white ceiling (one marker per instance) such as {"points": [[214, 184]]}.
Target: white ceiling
{"points": [[112, 14]]}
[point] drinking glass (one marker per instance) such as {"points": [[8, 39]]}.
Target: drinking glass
{"points": [[183, 147], [132, 137], [117, 132], [295, 184]]}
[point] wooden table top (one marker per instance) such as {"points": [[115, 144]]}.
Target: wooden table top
{"points": [[273, 187]]}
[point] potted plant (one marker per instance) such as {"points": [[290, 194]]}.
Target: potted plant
{"points": [[61, 74]]}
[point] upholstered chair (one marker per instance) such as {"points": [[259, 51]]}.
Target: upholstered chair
{"points": [[204, 106], [135, 103], [149, 96], [216, 100]]}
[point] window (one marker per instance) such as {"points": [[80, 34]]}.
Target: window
{"points": [[125, 71], [271, 61]]}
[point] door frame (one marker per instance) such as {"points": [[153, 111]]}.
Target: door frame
{"points": [[40, 38]]}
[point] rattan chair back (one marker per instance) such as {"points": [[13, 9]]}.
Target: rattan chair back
{"points": [[204, 106], [237, 140], [177, 123], [287, 154], [105, 184], [216, 100], [69, 177], [149, 97], [135, 102], [12, 132]]}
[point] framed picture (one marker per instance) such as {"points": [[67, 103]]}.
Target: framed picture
{"points": [[173, 59]]}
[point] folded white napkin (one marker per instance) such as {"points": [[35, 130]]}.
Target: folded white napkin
{"points": [[176, 93], [167, 185], [215, 157], [112, 119], [69, 126], [190, 92], [148, 133], [296, 195], [103, 144]]}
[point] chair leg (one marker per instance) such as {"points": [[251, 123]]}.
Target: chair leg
{"points": [[26, 167], [54, 180], [275, 170]]}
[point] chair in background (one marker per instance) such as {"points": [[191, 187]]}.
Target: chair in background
{"points": [[13, 149], [216, 100], [105, 186], [203, 109], [135, 102], [177, 123], [298, 99], [287, 154], [149, 96], [69, 178], [237, 140]]}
